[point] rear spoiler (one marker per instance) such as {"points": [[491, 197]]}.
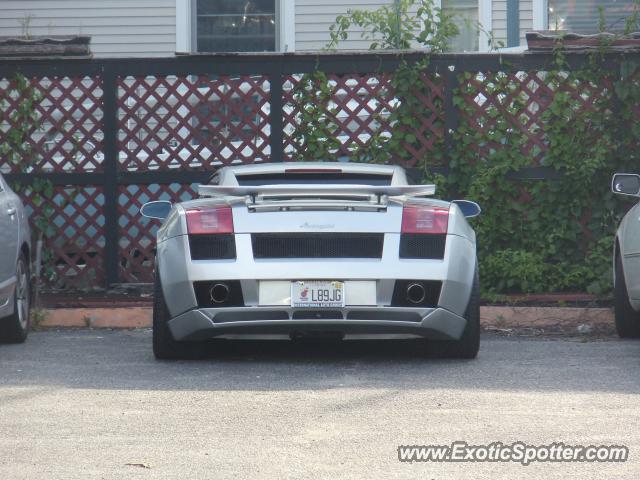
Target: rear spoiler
{"points": [[307, 189]]}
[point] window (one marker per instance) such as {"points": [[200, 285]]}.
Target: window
{"points": [[583, 16], [235, 25], [466, 18]]}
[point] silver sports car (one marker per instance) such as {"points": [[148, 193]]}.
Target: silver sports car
{"points": [[626, 260], [303, 249], [15, 252]]}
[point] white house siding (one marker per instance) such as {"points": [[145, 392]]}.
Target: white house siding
{"points": [[499, 21], [314, 17], [118, 28], [526, 19]]}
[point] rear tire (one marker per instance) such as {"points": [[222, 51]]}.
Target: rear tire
{"points": [[469, 343], [15, 328], [627, 319], [165, 347]]}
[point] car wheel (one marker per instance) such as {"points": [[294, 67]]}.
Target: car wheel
{"points": [[164, 345], [627, 319], [469, 343], [15, 328]]}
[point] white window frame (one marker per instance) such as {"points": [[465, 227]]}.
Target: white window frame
{"points": [[185, 26], [287, 28], [540, 17], [485, 19]]}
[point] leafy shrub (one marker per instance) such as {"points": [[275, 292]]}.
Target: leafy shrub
{"points": [[515, 271], [534, 236]]}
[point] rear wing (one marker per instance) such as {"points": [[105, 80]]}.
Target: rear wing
{"points": [[306, 190]]}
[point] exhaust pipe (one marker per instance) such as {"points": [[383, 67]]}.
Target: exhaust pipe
{"points": [[219, 293], [416, 293]]}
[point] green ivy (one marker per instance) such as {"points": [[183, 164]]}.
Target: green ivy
{"points": [[314, 137], [17, 150], [404, 25], [533, 235], [552, 235]]}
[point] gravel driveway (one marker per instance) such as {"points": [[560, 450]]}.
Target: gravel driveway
{"points": [[95, 404]]}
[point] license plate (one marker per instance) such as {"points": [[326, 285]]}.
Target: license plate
{"points": [[317, 294]]}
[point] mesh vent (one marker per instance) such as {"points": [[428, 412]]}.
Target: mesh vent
{"points": [[317, 245], [420, 245], [212, 247]]}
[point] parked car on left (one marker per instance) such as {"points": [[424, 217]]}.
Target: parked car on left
{"points": [[15, 277]]}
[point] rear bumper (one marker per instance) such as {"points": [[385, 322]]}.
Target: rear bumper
{"points": [[201, 324], [178, 272]]}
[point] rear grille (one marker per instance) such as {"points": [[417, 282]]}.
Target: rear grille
{"points": [[317, 245], [212, 247], [421, 245]]}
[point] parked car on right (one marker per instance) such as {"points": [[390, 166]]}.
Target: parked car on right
{"points": [[626, 260]]}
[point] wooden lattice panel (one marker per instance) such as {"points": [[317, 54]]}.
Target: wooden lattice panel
{"points": [[492, 108], [70, 136], [361, 108], [76, 240], [195, 122], [181, 123]]}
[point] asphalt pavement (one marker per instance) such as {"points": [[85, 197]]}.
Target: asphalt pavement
{"points": [[84, 404]]}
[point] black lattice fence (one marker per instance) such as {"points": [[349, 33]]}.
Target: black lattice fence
{"points": [[119, 132]]}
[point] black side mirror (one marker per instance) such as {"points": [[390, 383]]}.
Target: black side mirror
{"points": [[158, 210], [468, 208], [626, 184]]}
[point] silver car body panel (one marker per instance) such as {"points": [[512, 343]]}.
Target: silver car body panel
{"points": [[628, 238], [14, 233], [229, 175], [265, 282]]}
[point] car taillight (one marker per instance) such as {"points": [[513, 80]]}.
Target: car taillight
{"points": [[425, 219], [208, 220]]}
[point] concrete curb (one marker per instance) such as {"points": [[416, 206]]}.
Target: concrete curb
{"points": [[545, 317], [118, 317], [496, 317]]}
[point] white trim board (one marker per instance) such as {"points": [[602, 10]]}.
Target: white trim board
{"points": [[485, 19], [540, 17], [287, 28], [183, 26]]}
